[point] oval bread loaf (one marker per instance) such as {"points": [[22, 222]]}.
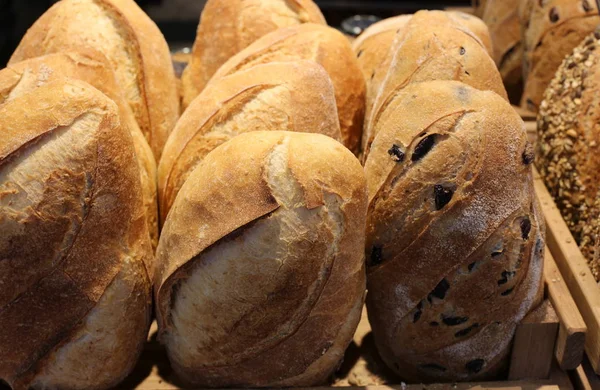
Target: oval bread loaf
{"points": [[262, 276], [321, 44], [454, 234], [551, 30], [292, 96], [76, 303], [568, 149], [432, 46], [228, 26], [93, 68], [133, 44]]}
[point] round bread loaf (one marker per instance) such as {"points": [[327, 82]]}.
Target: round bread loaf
{"points": [[454, 234], [330, 49], [432, 46], [133, 44], [568, 150], [551, 30], [228, 26], [262, 274], [76, 299], [93, 68], [292, 96], [502, 18]]}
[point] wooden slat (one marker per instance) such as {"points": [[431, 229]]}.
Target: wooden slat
{"points": [[575, 271], [570, 343], [525, 114], [533, 346], [584, 377]]}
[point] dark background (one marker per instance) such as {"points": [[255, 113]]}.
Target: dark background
{"points": [[17, 15]]}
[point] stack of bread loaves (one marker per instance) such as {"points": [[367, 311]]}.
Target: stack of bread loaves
{"points": [[551, 29], [454, 235]]}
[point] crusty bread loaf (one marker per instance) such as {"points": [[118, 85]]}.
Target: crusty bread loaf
{"points": [[502, 18], [454, 234], [134, 45], [432, 46], [331, 50], [293, 96], [93, 68], [568, 149], [373, 45], [75, 302], [229, 26], [261, 275], [551, 30]]}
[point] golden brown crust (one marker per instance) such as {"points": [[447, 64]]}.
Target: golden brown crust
{"points": [[93, 68], [293, 96], [453, 53], [330, 49], [454, 233], [567, 154], [286, 231], [130, 40], [72, 218], [551, 30], [227, 27]]}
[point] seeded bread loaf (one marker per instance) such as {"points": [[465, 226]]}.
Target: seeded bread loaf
{"points": [[93, 68], [262, 274], [321, 44], [567, 150], [293, 96], [228, 26], [454, 233], [75, 302], [502, 18], [551, 30], [133, 44], [432, 46]]}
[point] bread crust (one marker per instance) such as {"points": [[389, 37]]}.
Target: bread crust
{"points": [[74, 240], [287, 324], [455, 237], [93, 68], [567, 148], [453, 53], [551, 30], [293, 96], [227, 27], [324, 45], [144, 69]]}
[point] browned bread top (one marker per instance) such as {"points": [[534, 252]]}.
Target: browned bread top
{"points": [[454, 235], [551, 30], [293, 96], [567, 153], [229, 26], [74, 240], [255, 253], [93, 68], [132, 43], [432, 46], [330, 49]]}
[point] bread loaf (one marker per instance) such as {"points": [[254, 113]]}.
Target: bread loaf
{"points": [[75, 302], [373, 45], [568, 154], [93, 68], [330, 49], [228, 26], [432, 46], [552, 29], [130, 40], [502, 18], [262, 274], [454, 234], [293, 96]]}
